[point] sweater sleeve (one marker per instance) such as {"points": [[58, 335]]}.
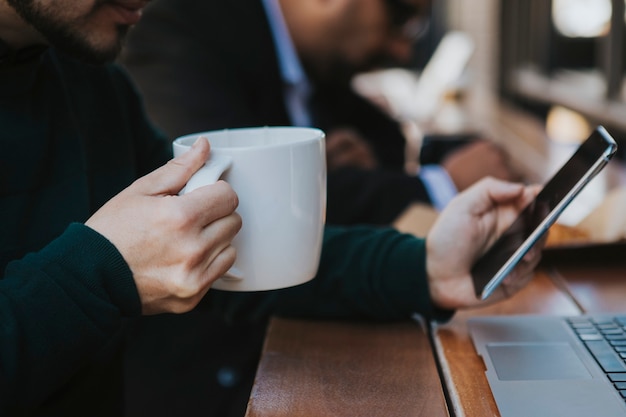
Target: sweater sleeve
{"points": [[364, 273], [58, 307], [153, 146]]}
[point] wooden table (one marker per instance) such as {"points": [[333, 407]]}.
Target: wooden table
{"points": [[327, 368], [313, 368]]}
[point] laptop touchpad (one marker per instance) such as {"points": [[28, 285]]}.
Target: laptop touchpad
{"points": [[536, 361]]}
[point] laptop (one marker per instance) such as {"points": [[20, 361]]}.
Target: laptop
{"points": [[547, 366]]}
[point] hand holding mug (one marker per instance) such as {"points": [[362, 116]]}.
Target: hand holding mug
{"points": [[279, 175], [176, 246]]}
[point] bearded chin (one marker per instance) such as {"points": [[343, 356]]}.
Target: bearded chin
{"points": [[79, 48], [66, 40]]}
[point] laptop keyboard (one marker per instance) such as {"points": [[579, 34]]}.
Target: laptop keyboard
{"points": [[605, 338]]}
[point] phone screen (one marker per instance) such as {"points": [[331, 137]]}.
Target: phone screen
{"points": [[539, 215]]}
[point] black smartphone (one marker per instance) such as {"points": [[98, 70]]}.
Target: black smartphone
{"points": [[532, 223]]}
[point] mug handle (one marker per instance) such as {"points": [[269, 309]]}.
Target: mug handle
{"points": [[210, 172]]}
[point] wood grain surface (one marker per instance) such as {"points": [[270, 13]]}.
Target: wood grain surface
{"points": [[328, 368]]}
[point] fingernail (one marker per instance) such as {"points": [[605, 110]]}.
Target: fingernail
{"points": [[197, 142]]}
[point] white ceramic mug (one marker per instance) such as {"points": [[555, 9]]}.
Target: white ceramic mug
{"points": [[279, 175]]}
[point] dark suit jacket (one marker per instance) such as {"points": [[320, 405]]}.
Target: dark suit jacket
{"points": [[205, 65]]}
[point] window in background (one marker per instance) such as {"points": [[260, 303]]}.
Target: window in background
{"points": [[568, 53], [582, 18]]}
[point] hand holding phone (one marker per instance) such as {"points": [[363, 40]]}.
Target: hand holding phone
{"points": [[588, 160]]}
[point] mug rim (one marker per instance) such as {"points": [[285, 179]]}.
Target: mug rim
{"points": [[318, 135]]}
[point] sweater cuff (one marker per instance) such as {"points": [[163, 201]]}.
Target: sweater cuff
{"points": [[95, 262], [416, 292]]}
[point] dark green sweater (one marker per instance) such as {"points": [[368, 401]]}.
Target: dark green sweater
{"points": [[72, 136]]}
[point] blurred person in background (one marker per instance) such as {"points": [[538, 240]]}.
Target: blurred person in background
{"points": [[212, 65]]}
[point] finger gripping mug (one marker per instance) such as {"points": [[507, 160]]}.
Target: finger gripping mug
{"points": [[279, 175]]}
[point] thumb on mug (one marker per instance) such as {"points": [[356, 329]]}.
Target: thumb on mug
{"points": [[172, 177]]}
